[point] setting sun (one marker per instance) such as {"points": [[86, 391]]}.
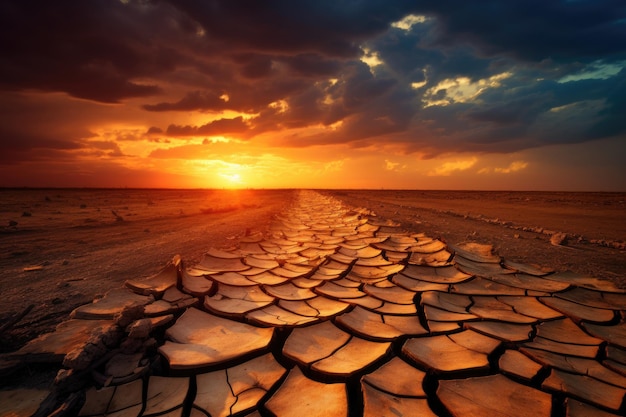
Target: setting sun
{"points": [[233, 178]]}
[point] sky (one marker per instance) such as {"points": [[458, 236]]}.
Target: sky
{"points": [[473, 95]]}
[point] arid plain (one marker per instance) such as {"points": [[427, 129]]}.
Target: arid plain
{"points": [[60, 248]]}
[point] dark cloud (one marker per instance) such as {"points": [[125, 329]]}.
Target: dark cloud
{"points": [[412, 55], [296, 64], [29, 128], [543, 112], [253, 66], [194, 100], [105, 148], [94, 50], [313, 65], [154, 130], [24, 139], [534, 30], [286, 27], [214, 128], [241, 96], [612, 121]]}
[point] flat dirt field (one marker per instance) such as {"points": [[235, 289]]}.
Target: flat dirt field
{"points": [[590, 228], [61, 248], [70, 246]]}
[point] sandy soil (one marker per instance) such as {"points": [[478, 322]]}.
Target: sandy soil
{"points": [[69, 246], [520, 225]]}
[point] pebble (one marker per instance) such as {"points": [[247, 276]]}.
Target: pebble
{"points": [[558, 239]]}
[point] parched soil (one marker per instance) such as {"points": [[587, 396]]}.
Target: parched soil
{"points": [[62, 248], [520, 225], [71, 246]]}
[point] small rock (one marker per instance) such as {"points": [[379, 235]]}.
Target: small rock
{"points": [[12, 223], [558, 239], [112, 337], [129, 315], [140, 329], [62, 375], [27, 214], [65, 262], [32, 268], [516, 236]]}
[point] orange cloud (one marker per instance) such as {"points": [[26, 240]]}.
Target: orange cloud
{"points": [[513, 167], [448, 168]]}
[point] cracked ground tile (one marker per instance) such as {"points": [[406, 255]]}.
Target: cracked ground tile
{"points": [[444, 354], [200, 339], [237, 389], [494, 395], [322, 400]]}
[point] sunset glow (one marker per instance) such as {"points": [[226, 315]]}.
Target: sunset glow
{"points": [[357, 95]]}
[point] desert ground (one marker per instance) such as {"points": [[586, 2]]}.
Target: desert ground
{"points": [[580, 232], [62, 248]]}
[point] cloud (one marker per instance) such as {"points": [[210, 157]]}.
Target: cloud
{"points": [[313, 65], [154, 130], [391, 166], [448, 168], [431, 78], [512, 167], [104, 63], [17, 146], [557, 29], [214, 128], [461, 89], [194, 100], [103, 148], [310, 26], [243, 96]]}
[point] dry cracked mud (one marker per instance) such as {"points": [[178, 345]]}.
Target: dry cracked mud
{"points": [[336, 311]]}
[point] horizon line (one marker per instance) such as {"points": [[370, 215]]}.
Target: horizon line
{"points": [[16, 188]]}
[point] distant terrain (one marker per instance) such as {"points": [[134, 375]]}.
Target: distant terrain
{"points": [[581, 232], [61, 248]]}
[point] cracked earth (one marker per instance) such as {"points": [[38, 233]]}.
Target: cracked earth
{"points": [[336, 311]]}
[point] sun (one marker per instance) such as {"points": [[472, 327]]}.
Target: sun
{"points": [[231, 179]]}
